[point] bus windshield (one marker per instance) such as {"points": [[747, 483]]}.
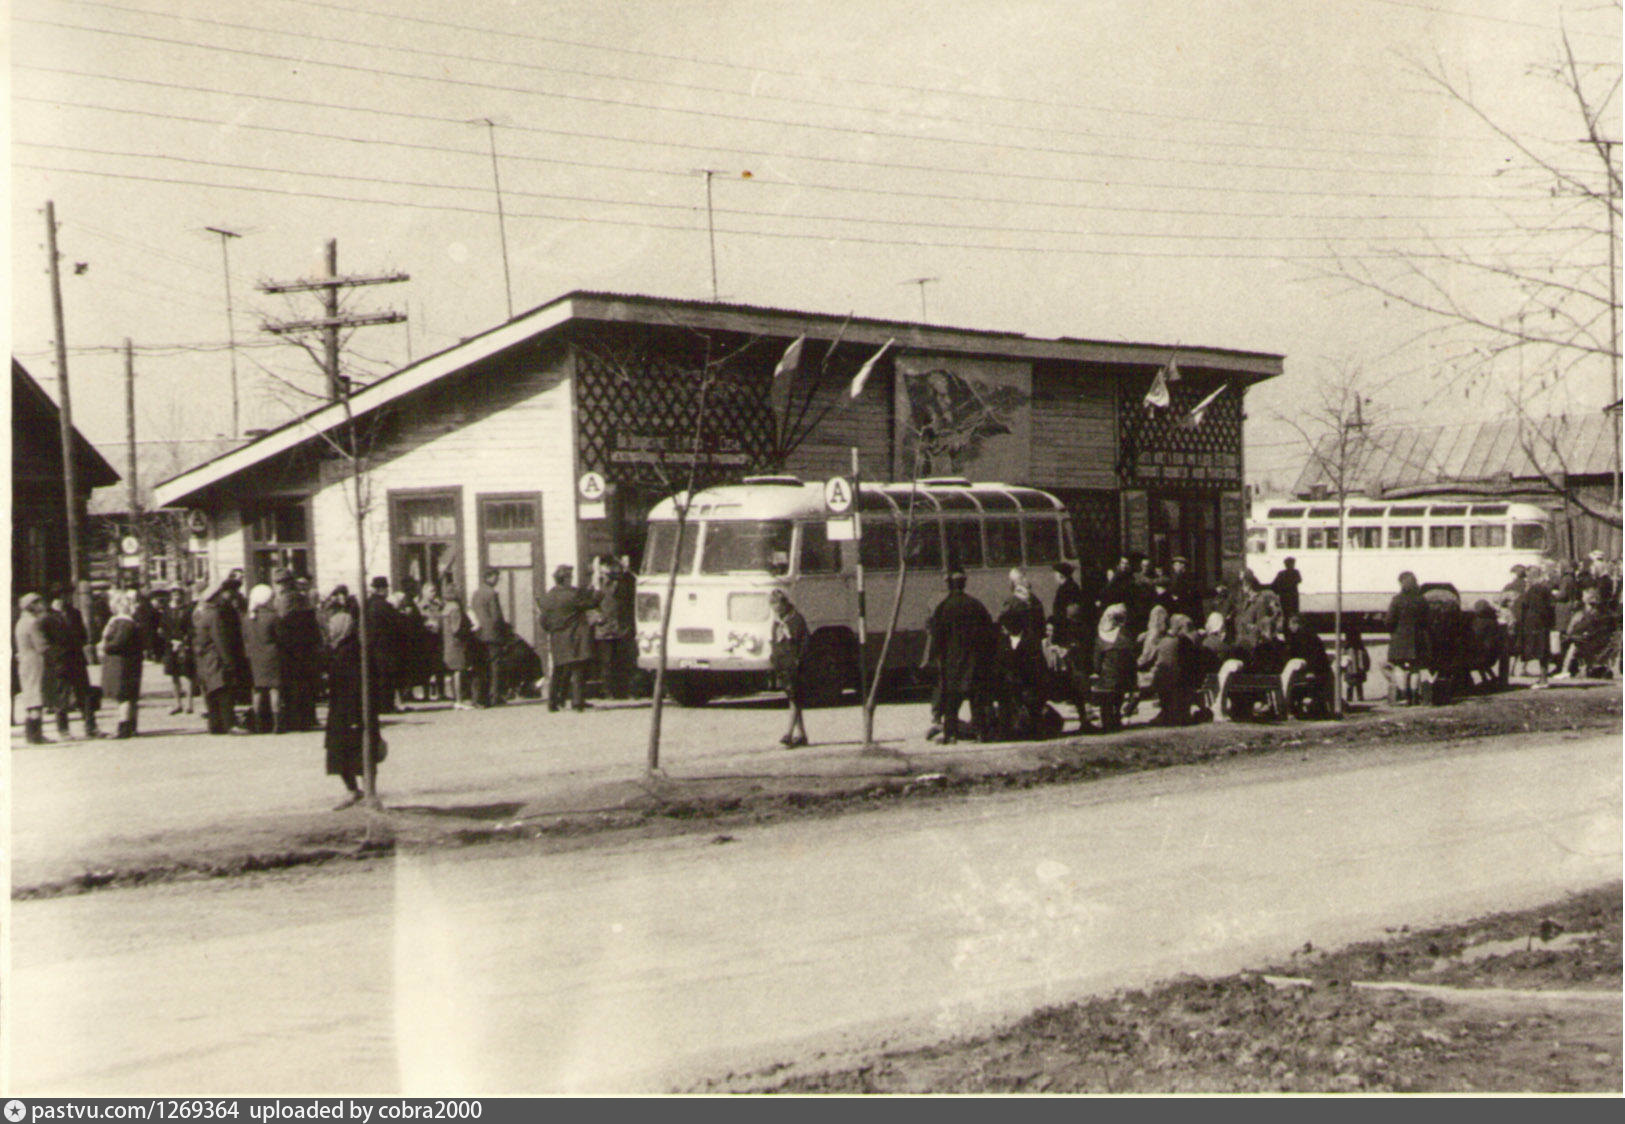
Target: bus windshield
{"points": [[657, 554], [752, 545]]}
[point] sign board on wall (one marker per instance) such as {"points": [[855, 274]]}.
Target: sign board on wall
{"points": [[1232, 525], [960, 416], [1136, 522]]}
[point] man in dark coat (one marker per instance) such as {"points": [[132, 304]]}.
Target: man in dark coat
{"points": [[65, 631], [1285, 584], [1536, 616], [217, 647], [565, 615], [299, 633], [1407, 638], [960, 631], [485, 644], [385, 634], [1067, 593], [1184, 596], [615, 634]]}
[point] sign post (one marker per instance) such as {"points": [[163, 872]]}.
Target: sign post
{"points": [[590, 492]]}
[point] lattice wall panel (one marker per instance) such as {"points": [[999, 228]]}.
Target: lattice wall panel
{"points": [[637, 416], [1159, 452]]}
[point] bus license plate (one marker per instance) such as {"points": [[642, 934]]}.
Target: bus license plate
{"points": [[691, 664]]}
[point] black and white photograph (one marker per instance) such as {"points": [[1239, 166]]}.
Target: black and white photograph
{"points": [[593, 548]]}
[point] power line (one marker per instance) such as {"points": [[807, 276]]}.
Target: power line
{"points": [[798, 236], [753, 95], [1114, 183], [802, 75], [1471, 15], [754, 179], [688, 208], [715, 115]]}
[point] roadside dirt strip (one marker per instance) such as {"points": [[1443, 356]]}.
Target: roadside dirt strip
{"points": [[566, 812], [1514, 1002]]}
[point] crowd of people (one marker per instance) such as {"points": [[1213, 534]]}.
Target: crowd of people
{"points": [[259, 660]]}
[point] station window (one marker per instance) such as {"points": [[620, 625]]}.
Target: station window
{"points": [[1487, 535], [278, 535], [1443, 538]]}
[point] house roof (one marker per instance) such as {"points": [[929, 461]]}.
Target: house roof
{"points": [[33, 408], [154, 461], [1396, 457], [583, 305]]}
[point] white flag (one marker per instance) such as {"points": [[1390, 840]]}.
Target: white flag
{"points": [[863, 372], [1158, 394], [1194, 418], [778, 394]]}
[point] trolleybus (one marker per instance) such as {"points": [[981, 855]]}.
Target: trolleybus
{"points": [[741, 541], [1471, 544]]}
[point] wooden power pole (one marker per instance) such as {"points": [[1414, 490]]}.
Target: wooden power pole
{"points": [[330, 323], [70, 467]]}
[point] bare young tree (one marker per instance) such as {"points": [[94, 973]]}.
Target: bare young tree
{"points": [[1542, 295]]}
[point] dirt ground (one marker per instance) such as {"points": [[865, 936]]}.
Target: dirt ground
{"points": [[1513, 1002], [829, 781]]}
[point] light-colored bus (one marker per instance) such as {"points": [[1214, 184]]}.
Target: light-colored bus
{"points": [[742, 541], [1471, 544]]}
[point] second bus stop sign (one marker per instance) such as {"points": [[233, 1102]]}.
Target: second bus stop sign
{"points": [[838, 495]]}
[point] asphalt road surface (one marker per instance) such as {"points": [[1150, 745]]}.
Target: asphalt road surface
{"points": [[648, 965]]}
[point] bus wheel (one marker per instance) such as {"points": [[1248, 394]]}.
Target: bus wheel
{"points": [[687, 690], [832, 668]]}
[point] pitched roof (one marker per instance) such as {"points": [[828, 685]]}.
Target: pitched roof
{"points": [[154, 461], [32, 407], [1394, 457], [664, 312]]}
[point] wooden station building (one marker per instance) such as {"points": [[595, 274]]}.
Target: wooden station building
{"points": [[473, 456]]}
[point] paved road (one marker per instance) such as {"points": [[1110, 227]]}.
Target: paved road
{"points": [[656, 963]]}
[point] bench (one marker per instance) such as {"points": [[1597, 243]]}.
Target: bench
{"points": [[1254, 688]]}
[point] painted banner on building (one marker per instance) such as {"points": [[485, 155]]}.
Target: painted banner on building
{"points": [[963, 417]]}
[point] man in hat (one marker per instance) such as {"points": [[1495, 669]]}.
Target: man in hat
{"points": [[1285, 584], [384, 635], [566, 615], [485, 647], [300, 634], [1183, 595]]}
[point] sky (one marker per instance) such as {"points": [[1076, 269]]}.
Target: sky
{"points": [[1166, 171]]}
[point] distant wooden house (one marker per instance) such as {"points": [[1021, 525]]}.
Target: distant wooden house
{"points": [[167, 552], [39, 512], [1567, 465]]}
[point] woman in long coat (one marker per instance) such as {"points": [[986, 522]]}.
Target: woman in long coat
{"points": [[455, 630], [343, 741], [1407, 638], [122, 647], [1536, 616], [263, 646], [179, 662], [31, 645], [1116, 654]]}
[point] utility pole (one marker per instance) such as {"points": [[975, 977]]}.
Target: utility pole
{"points": [[129, 436], [231, 330], [1344, 464], [331, 322], [922, 282], [1613, 305], [502, 222], [70, 468], [711, 226]]}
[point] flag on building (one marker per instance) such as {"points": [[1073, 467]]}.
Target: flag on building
{"points": [[864, 371], [778, 395], [1158, 394], [1194, 418]]}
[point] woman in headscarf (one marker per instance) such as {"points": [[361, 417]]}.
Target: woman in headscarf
{"points": [[344, 739], [179, 663], [31, 645], [1114, 665], [121, 647], [1170, 672], [264, 649]]}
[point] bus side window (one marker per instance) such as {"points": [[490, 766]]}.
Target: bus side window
{"points": [[1487, 535], [925, 545], [1446, 537], [878, 546], [818, 554], [1288, 538], [964, 542], [1404, 538], [1003, 542], [1528, 536], [1043, 541]]}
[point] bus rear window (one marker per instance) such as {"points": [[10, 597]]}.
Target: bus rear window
{"points": [[1528, 536], [1043, 542], [657, 555], [750, 545]]}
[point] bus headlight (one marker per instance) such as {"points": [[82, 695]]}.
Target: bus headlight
{"points": [[649, 642], [747, 606]]}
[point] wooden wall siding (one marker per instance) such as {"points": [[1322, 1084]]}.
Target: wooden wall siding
{"points": [[227, 548], [1074, 427], [506, 429], [865, 422]]}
